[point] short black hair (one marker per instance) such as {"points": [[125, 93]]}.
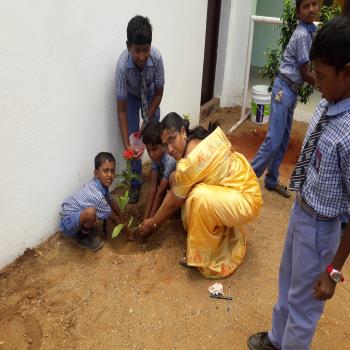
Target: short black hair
{"points": [[151, 134], [173, 121], [332, 43], [103, 157], [298, 4], [139, 31]]}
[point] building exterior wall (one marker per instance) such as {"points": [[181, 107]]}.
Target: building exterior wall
{"points": [[265, 34], [232, 50], [57, 101]]}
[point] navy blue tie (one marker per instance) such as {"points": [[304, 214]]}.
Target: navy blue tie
{"points": [[299, 174]]}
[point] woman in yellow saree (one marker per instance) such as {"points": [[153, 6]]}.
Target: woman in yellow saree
{"points": [[218, 192]]}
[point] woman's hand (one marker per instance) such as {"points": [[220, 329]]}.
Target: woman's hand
{"points": [[130, 234], [146, 227]]}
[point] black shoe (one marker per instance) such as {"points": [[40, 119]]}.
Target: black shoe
{"points": [[260, 341], [280, 189], [89, 241], [134, 195]]}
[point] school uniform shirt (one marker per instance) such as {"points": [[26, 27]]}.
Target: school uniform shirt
{"points": [[327, 185], [128, 76], [92, 194], [297, 52], [165, 167]]}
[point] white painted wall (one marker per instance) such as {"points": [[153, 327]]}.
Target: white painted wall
{"points": [[57, 106], [232, 50]]}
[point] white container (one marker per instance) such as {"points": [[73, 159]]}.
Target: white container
{"points": [[260, 109], [137, 144]]}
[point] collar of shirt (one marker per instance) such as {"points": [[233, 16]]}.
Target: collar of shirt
{"points": [[163, 159], [102, 188], [337, 108], [311, 28], [131, 63]]}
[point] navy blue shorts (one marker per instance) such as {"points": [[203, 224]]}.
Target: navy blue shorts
{"points": [[70, 223]]}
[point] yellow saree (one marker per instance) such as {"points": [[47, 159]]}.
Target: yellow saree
{"points": [[222, 194]]}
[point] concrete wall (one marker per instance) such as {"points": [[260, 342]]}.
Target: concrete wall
{"points": [[265, 35], [57, 102], [232, 50]]}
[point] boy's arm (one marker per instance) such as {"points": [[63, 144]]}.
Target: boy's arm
{"points": [[122, 95], [116, 219], [123, 121], [162, 188], [170, 204], [158, 86], [151, 194], [114, 206], [307, 75], [324, 286], [157, 98]]}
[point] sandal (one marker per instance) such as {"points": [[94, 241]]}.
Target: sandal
{"points": [[280, 189]]}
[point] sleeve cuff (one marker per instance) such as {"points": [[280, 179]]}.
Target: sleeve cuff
{"points": [[302, 61], [105, 215]]}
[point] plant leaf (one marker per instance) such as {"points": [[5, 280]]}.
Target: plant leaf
{"points": [[117, 230], [289, 23], [121, 185]]}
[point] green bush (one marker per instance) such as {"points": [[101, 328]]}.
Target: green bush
{"points": [[289, 23]]}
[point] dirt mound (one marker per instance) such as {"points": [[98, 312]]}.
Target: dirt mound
{"points": [[136, 296]]}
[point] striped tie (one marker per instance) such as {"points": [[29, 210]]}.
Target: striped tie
{"points": [[144, 103], [299, 174]]}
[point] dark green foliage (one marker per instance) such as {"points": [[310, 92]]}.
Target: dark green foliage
{"points": [[289, 23]]}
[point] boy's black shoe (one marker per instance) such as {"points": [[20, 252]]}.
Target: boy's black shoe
{"points": [[89, 241], [134, 195], [260, 341], [280, 189]]}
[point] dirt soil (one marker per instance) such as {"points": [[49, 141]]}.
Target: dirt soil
{"points": [[136, 296]]}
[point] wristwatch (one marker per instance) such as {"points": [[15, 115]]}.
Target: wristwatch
{"points": [[334, 274]]}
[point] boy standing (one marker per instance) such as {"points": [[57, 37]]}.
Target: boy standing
{"points": [[140, 83], [313, 258], [80, 212], [162, 166], [293, 72]]}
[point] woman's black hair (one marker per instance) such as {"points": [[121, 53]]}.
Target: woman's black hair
{"points": [[174, 121], [151, 133], [332, 43]]}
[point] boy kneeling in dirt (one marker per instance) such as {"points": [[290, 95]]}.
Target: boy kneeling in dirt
{"points": [[162, 166], [92, 202]]}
